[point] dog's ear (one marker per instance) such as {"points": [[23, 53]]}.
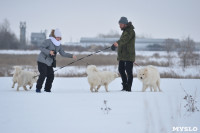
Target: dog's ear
{"points": [[145, 71], [95, 69]]}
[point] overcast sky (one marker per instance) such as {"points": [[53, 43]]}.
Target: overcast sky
{"points": [[87, 18]]}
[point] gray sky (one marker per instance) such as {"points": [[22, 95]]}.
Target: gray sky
{"points": [[88, 18]]}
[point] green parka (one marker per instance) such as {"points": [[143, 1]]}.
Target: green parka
{"points": [[126, 44]]}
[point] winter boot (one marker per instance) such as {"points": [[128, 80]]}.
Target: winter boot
{"points": [[129, 88], [38, 90], [125, 87], [47, 90]]}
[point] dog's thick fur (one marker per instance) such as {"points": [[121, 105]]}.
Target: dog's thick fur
{"points": [[97, 78], [150, 77], [23, 78]]}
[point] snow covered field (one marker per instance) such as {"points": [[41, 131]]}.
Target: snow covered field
{"points": [[72, 108]]}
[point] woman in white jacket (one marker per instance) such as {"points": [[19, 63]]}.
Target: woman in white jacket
{"points": [[46, 60]]}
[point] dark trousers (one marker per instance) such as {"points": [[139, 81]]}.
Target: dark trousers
{"points": [[126, 72], [45, 72]]}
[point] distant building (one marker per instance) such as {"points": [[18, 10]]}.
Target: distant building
{"points": [[140, 43], [38, 38], [22, 33], [197, 46], [88, 40]]}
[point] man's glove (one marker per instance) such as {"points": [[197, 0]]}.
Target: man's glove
{"points": [[113, 47]]}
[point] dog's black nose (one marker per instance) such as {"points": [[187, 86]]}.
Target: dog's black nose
{"points": [[141, 77]]}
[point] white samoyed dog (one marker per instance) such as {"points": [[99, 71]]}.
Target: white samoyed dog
{"points": [[98, 78], [150, 77], [24, 78]]}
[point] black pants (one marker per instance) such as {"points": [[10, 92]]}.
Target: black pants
{"points": [[127, 78], [45, 72]]}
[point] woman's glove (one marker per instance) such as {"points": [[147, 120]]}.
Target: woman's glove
{"points": [[113, 47]]}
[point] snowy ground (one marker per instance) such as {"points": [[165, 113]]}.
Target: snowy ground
{"points": [[72, 108]]}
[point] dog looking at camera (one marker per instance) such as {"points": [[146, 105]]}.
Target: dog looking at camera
{"points": [[150, 77], [98, 78]]}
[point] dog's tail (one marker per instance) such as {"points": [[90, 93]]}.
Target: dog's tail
{"points": [[116, 75], [18, 70]]}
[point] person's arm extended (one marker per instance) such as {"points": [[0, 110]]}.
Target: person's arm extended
{"points": [[62, 53]]}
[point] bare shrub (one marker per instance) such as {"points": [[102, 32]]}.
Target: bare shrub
{"points": [[153, 63], [169, 46], [156, 55], [93, 60], [191, 105], [72, 75], [186, 51], [195, 59], [106, 109], [171, 74]]}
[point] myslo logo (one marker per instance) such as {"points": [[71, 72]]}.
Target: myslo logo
{"points": [[184, 129]]}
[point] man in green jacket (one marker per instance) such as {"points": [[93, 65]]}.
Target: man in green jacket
{"points": [[126, 53]]}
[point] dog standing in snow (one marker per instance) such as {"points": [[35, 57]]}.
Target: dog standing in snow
{"points": [[98, 78], [23, 78], [150, 77]]}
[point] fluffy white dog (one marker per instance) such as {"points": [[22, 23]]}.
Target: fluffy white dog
{"points": [[23, 78], [97, 78], [150, 77]]}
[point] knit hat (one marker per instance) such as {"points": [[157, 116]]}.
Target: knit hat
{"points": [[57, 33], [123, 20]]}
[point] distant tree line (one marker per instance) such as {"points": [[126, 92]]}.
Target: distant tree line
{"points": [[80, 48], [186, 51], [8, 40], [111, 34]]}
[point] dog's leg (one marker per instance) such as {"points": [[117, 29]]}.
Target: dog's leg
{"points": [[91, 88], [31, 85], [25, 88], [144, 88], [18, 88], [155, 88], [151, 88], [97, 88], [13, 84], [106, 87], [158, 85]]}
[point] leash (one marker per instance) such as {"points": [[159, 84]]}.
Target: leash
{"points": [[86, 63], [79, 59], [82, 58], [136, 64]]}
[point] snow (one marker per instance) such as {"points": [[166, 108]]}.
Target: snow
{"points": [[72, 108]]}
